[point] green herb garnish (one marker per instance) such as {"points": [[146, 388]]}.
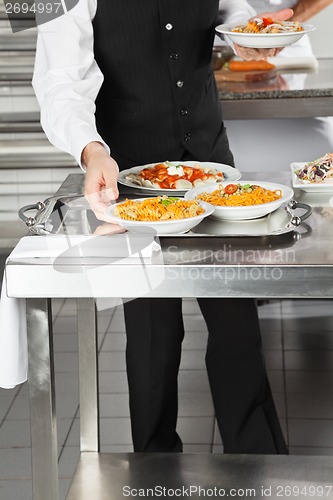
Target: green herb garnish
{"points": [[167, 201]]}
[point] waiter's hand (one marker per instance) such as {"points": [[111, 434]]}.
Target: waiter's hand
{"points": [[101, 178], [248, 53]]}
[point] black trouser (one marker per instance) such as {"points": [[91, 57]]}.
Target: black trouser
{"points": [[241, 394]]}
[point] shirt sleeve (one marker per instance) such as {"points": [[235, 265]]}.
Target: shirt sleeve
{"points": [[67, 79], [236, 11]]}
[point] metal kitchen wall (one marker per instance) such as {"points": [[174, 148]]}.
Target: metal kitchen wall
{"points": [[322, 45], [30, 168]]}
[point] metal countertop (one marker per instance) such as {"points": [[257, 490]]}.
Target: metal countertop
{"points": [[310, 95], [299, 263]]}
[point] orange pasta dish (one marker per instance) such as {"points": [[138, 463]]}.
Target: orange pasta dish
{"points": [[160, 208], [267, 25], [237, 195]]}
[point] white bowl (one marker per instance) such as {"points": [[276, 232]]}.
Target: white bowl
{"points": [[264, 40], [163, 227], [251, 211]]}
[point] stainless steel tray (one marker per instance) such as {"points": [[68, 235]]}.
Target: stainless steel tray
{"points": [[72, 215], [283, 220]]}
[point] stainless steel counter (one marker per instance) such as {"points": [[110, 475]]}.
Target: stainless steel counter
{"points": [[299, 264], [239, 101], [274, 266], [311, 94]]}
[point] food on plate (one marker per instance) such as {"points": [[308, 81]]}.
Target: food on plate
{"points": [[319, 170], [240, 195], [161, 208], [175, 176], [261, 65], [267, 25]]}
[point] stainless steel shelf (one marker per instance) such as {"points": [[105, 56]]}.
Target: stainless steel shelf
{"points": [[16, 118], [16, 65], [22, 153], [10, 233], [289, 107], [22, 40], [20, 127]]}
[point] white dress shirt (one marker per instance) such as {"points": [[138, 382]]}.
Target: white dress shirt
{"points": [[67, 78], [270, 5]]}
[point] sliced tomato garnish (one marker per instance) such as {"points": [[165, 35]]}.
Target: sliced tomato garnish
{"points": [[231, 188], [267, 21]]}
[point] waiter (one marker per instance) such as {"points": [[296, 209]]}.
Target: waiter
{"points": [[147, 65]]}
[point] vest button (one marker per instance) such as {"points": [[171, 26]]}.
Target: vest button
{"points": [[174, 55], [180, 84], [168, 26], [183, 112], [187, 137]]}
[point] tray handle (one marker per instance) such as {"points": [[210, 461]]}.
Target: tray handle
{"points": [[296, 220], [30, 221]]}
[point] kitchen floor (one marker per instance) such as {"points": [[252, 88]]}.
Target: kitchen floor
{"points": [[298, 344]]}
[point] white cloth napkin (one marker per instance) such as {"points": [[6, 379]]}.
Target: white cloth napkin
{"points": [[13, 340], [125, 245], [128, 248]]}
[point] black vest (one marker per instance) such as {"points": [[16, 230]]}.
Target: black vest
{"points": [[159, 98]]}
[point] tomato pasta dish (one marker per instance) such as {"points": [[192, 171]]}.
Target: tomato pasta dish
{"points": [[175, 176], [237, 195]]}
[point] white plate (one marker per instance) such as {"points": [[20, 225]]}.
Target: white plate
{"points": [[245, 213], [178, 226], [264, 40], [231, 174], [310, 187]]}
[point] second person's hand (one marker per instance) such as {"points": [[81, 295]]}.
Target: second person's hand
{"points": [[249, 53]]}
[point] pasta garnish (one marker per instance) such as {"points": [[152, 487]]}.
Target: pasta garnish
{"points": [[267, 25]]}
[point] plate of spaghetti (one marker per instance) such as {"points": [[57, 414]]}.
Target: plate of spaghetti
{"points": [[161, 215], [265, 33], [176, 177], [247, 200]]}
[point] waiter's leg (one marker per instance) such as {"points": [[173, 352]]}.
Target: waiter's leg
{"points": [[155, 331], [241, 393]]}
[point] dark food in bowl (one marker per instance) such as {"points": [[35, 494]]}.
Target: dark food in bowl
{"points": [[318, 170], [221, 55]]}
